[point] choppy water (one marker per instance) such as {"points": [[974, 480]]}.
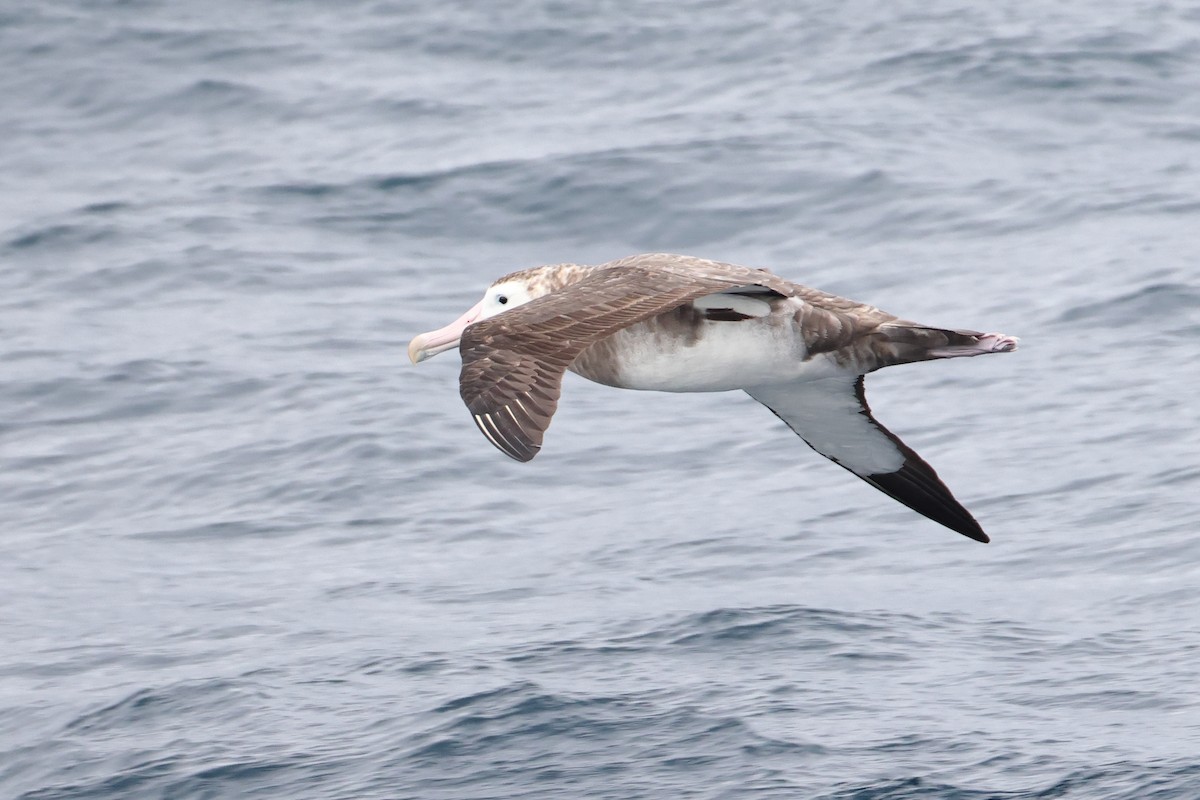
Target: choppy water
{"points": [[246, 550]]}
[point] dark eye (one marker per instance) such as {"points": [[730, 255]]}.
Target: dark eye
{"points": [[502, 299]]}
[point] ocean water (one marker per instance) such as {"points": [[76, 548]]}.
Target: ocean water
{"points": [[248, 551]]}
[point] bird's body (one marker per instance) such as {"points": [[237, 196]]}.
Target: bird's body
{"points": [[681, 324], [682, 350]]}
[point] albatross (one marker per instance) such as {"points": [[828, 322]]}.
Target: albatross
{"points": [[678, 323]]}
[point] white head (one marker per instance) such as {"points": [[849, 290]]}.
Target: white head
{"points": [[508, 292]]}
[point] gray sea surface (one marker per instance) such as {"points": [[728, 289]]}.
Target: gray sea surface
{"points": [[248, 551]]}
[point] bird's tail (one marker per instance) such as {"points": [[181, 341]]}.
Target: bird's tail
{"points": [[910, 342]]}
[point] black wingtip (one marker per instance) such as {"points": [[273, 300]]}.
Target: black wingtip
{"points": [[976, 533], [917, 486]]}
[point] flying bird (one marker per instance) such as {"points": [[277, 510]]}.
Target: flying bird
{"points": [[677, 323]]}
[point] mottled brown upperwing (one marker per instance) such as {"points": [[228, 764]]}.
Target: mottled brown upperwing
{"points": [[513, 363]]}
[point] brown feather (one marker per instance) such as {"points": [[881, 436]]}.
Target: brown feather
{"points": [[513, 363]]}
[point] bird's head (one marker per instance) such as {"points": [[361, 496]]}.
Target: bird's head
{"points": [[507, 293]]}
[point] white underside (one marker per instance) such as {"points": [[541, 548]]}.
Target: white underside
{"points": [[723, 356]]}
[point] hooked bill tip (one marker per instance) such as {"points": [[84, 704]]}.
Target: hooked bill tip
{"points": [[416, 350]]}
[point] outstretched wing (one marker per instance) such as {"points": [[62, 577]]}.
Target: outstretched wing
{"points": [[513, 363], [833, 417]]}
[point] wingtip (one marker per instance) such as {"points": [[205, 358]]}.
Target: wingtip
{"points": [[514, 447], [525, 456], [968, 527], [917, 486], [964, 524], [978, 535]]}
